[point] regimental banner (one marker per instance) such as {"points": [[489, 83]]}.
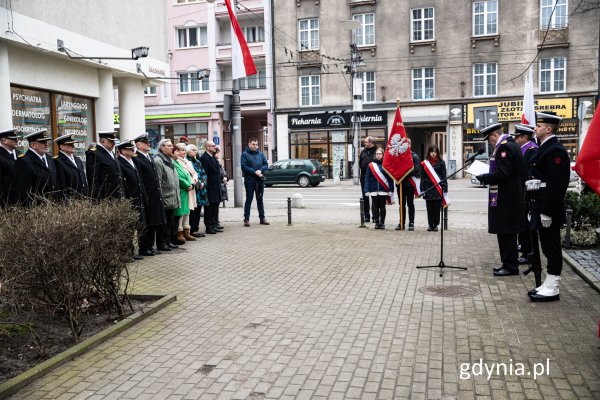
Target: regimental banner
{"points": [[30, 112], [75, 117], [511, 110], [337, 120]]}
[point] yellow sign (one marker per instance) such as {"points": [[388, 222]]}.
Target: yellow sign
{"points": [[511, 110]]}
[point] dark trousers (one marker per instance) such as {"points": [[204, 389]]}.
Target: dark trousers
{"points": [[379, 209], [167, 229], [195, 220], [210, 215], [525, 242], [551, 247], [365, 199], [148, 236], [175, 227], [508, 251], [253, 186], [408, 199], [433, 212]]}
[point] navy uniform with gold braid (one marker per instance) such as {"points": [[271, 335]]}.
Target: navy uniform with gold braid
{"points": [[32, 178], [133, 188], [71, 177], [506, 207], [103, 172], [7, 167]]}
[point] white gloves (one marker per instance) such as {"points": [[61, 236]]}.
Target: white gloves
{"points": [[546, 220], [532, 184]]}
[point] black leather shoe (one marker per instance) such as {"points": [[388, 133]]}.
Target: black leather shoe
{"points": [[376, 226], [246, 222], [497, 269], [219, 226], [531, 292], [397, 227], [146, 253], [523, 260], [381, 226], [411, 226], [138, 258], [164, 248], [264, 222], [367, 219], [542, 299], [435, 228], [198, 235], [211, 231], [430, 229], [172, 245], [217, 229], [506, 272]]}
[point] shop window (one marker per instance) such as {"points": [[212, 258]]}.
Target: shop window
{"points": [[552, 74], [485, 18], [310, 90], [423, 80], [422, 24], [484, 79], [191, 37], [365, 35], [553, 14], [308, 34]]}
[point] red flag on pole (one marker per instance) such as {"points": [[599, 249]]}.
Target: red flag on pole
{"points": [[397, 159], [242, 64], [587, 164]]}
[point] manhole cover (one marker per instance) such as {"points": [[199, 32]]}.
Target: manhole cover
{"points": [[450, 291]]}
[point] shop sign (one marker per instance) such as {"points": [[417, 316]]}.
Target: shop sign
{"points": [[341, 120], [74, 116], [30, 112], [455, 116], [511, 110]]}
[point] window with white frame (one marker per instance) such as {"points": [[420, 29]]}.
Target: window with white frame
{"points": [[365, 35], [553, 14], [191, 37], [150, 91], [308, 31], [421, 26], [423, 84], [310, 90], [257, 81], [552, 74], [189, 84], [484, 79], [485, 18], [368, 87], [254, 34]]}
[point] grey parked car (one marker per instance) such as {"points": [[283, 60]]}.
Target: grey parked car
{"points": [[304, 172]]}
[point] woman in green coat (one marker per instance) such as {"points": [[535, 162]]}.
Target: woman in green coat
{"points": [[185, 185]]}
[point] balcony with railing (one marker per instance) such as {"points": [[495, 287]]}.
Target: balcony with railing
{"points": [[244, 7]]}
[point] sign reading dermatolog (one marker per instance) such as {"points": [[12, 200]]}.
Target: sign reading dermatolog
{"points": [[30, 112], [74, 116]]}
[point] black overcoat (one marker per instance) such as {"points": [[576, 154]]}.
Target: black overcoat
{"points": [[133, 188], [154, 207], [103, 174], [440, 169], [551, 165], [7, 168], [213, 182], [72, 181], [33, 180], [508, 216]]}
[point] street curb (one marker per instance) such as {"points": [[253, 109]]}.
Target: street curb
{"points": [[13, 385], [579, 270]]}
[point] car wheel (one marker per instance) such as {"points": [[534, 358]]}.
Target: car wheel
{"points": [[304, 181]]}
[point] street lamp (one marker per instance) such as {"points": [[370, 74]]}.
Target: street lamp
{"points": [[136, 53]]}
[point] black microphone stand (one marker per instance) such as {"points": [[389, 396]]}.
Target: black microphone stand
{"points": [[441, 264]]}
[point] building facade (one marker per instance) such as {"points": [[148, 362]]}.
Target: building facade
{"points": [[199, 39], [43, 83], [455, 67]]}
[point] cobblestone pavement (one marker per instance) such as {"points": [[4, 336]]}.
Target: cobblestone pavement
{"points": [[589, 260], [324, 310]]}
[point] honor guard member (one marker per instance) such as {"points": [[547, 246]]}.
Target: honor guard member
{"points": [[103, 171], [549, 172], [154, 208], [35, 173], [523, 135], [8, 156], [506, 206], [133, 188], [69, 168]]}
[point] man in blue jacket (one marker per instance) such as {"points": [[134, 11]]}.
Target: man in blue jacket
{"points": [[254, 163]]}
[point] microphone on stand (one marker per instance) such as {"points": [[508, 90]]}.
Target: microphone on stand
{"points": [[472, 158]]}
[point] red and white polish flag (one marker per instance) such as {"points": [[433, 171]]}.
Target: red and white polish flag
{"points": [[242, 64], [528, 116]]}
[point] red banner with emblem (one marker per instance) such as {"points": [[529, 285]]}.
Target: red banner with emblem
{"points": [[397, 159]]}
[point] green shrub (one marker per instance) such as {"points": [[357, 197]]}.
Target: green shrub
{"points": [[584, 237], [586, 209]]}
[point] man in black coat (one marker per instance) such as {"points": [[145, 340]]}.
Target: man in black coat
{"points": [[35, 172], [103, 170], [154, 207], [367, 155], [506, 206], [8, 156], [213, 187], [523, 135], [69, 169], [549, 173], [133, 189]]}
